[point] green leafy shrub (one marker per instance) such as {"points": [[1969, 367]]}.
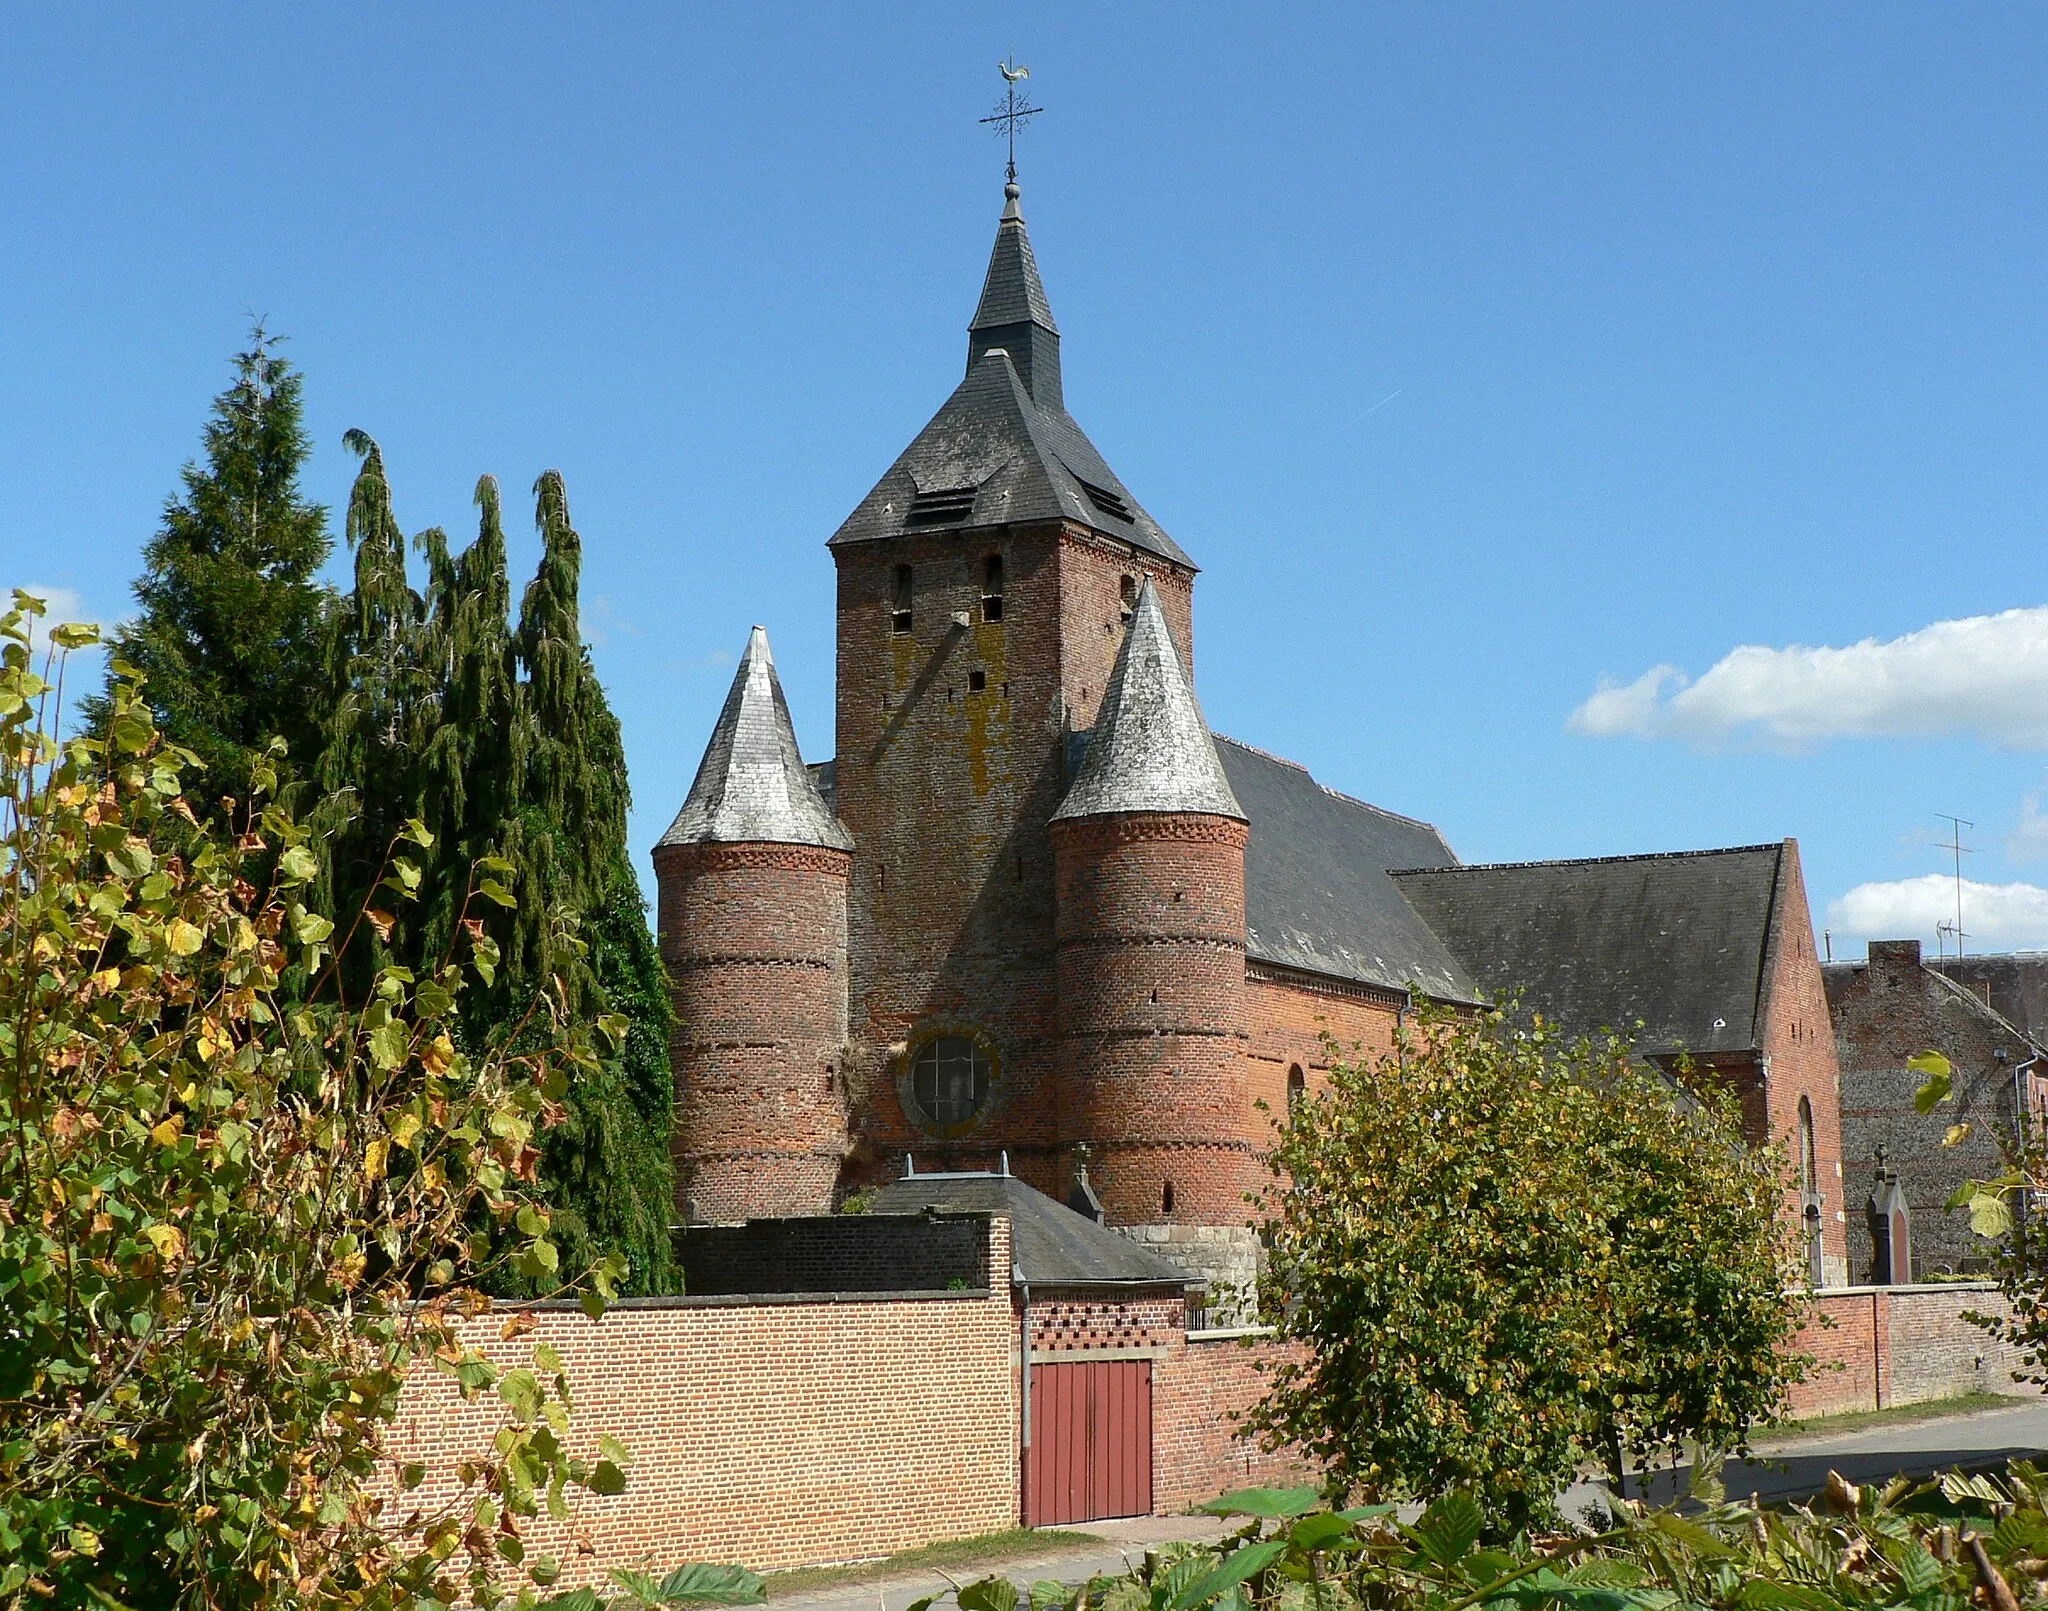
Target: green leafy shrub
{"points": [[234, 1216], [1508, 1253], [1942, 1545]]}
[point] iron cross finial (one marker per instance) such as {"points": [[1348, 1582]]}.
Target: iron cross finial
{"points": [[1009, 113]]}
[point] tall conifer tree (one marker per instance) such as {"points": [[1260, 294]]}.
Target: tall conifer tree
{"points": [[231, 625], [500, 743]]}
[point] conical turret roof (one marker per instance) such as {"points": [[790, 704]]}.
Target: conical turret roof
{"points": [[1151, 749], [752, 787]]}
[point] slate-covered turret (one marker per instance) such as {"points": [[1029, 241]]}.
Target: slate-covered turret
{"points": [[752, 877], [1148, 848]]}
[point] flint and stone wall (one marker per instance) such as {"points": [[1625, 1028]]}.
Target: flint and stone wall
{"points": [[1902, 1345]]}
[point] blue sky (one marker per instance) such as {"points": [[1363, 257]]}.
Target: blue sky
{"points": [[1486, 358]]}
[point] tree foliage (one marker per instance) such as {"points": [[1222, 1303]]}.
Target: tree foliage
{"points": [[496, 735], [230, 628], [235, 1215], [1998, 1213], [1946, 1544], [1508, 1253]]}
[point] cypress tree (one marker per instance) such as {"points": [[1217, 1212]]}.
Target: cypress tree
{"points": [[230, 632], [499, 741]]}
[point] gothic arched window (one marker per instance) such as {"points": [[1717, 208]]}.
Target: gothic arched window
{"points": [[1809, 1160], [1297, 1087]]}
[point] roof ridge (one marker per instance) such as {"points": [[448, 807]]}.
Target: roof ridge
{"points": [[1979, 1005], [1348, 799], [1590, 861]]}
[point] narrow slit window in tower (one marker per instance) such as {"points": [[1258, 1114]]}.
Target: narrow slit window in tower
{"points": [[1166, 1198], [1129, 592], [900, 620], [992, 588], [1297, 1087]]}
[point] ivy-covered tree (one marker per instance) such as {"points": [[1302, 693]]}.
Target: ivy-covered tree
{"points": [[229, 635], [1509, 1254], [499, 740]]}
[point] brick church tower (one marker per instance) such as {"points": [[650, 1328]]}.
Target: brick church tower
{"points": [[1033, 910], [984, 589]]}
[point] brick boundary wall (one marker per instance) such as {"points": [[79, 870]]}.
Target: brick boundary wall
{"points": [[769, 1433], [1902, 1345], [1200, 1388], [860, 1252]]}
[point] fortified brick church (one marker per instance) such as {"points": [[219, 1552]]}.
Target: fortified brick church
{"points": [[1035, 915]]}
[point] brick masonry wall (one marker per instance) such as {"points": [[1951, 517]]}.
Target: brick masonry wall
{"points": [[1901, 1345], [847, 1253], [754, 937], [1200, 1391], [1799, 1048], [948, 790], [1086, 1322], [773, 1435], [1152, 1014], [1885, 1010], [1289, 1014]]}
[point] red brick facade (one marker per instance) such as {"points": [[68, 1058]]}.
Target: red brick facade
{"points": [[1800, 1067]]}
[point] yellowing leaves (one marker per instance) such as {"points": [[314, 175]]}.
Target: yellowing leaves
{"points": [[183, 938], [168, 1240], [167, 1133], [375, 1156]]}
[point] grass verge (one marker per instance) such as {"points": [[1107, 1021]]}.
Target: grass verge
{"points": [[985, 1549], [1933, 1409]]}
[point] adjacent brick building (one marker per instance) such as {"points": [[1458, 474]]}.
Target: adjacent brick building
{"points": [[1886, 1009], [1034, 909]]}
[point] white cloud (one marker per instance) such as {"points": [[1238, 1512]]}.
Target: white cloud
{"points": [[64, 605], [1996, 917], [2028, 840], [1985, 674]]}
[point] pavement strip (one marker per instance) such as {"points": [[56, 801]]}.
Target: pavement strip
{"points": [[1782, 1469]]}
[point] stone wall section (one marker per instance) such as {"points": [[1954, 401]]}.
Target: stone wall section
{"points": [[754, 938], [1885, 1010], [839, 1253], [1290, 1012]]}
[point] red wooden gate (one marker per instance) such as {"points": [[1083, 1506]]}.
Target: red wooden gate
{"points": [[1091, 1442]]}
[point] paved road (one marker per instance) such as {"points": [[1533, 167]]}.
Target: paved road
{"points": [[1795, 1467], [1784, 1469]]}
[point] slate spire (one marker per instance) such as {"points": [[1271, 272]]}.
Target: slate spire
{"points": [[752, 786], [1013, 313], [1151, 749]]}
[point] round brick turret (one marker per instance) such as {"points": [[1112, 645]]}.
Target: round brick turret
{"points": [[1151, 931], [1148, 854], [752, 889], [754, 936]]}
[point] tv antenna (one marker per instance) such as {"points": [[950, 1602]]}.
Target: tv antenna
{"points": [[1955, 845]]}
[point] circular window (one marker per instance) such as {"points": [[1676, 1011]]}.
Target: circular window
{"points": [[949, 1083]]}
